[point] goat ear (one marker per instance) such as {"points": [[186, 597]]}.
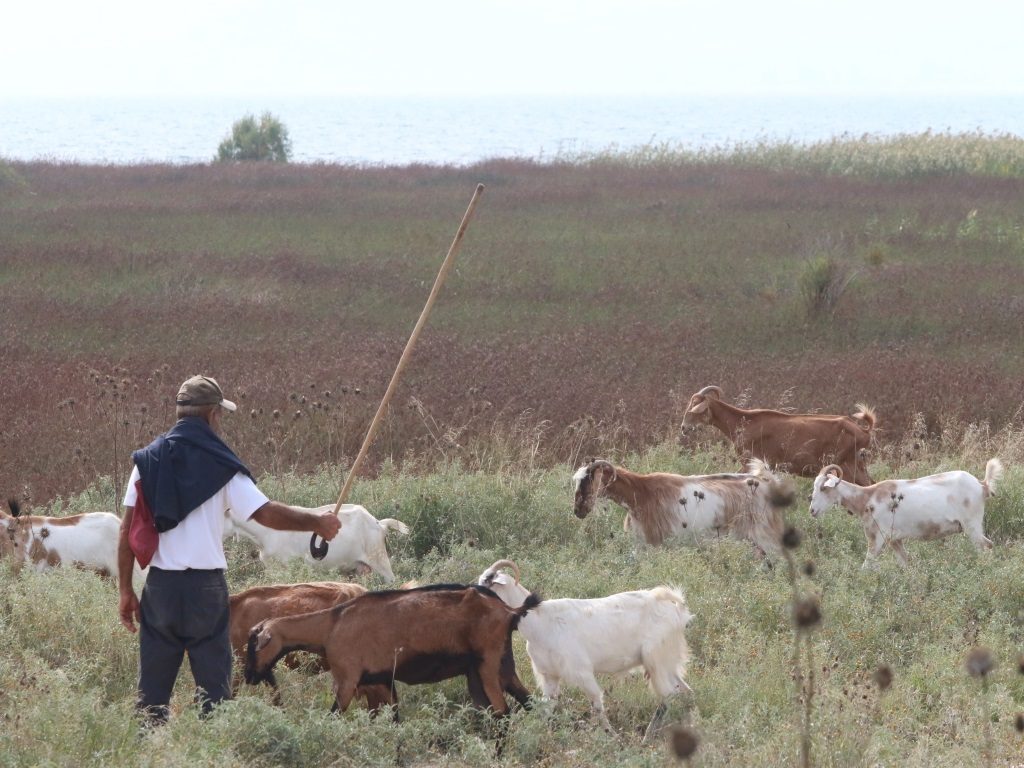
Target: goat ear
{"points": [[830, 482], [499, 578], [700, 407], [262, 639]]}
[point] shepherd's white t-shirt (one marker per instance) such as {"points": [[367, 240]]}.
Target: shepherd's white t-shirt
{"points": [[197, 541]]}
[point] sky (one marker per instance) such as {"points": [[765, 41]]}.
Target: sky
{"points": [[191, 48]]}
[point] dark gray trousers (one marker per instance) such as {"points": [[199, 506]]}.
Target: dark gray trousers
{"points": [[183, 612]]}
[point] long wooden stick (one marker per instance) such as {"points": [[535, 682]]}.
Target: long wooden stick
{"points": [[320, 551]]}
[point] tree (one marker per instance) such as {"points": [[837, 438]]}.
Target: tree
{"points": [[266, 139]]}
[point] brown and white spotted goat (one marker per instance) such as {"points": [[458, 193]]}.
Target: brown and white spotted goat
{"points": [[88, 540], [662, 505], [923, 508]]}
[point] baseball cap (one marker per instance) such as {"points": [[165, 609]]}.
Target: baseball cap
{"points": [[202, 390]]}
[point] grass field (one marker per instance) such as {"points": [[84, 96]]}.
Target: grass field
{"points": [[592, 297], [67, 669]]}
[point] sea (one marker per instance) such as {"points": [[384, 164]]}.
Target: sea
{"points": [[376, 131]]}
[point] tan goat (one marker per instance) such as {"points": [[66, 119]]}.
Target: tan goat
{"points": [[414, 636], [801, 443], [251, 606]]}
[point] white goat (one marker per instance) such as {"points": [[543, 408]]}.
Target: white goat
{"points": [[88, 540], [924, 508], [569, 641], [358, 548]]}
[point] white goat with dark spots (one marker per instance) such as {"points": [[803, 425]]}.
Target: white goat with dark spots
{"points": [[893, 511], [88, 540], [359, 547], [570, 641], [662, 505]]}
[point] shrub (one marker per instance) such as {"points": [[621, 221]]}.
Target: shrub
{"points": [[823, 283], [266, 139], [9, 177]]}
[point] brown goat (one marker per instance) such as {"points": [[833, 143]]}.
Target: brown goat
{"points": [[662, 505], [801, 443], [251, 606], [415, 636]]}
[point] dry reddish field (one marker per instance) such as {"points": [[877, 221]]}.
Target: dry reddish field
{"points": [[589, 302]]}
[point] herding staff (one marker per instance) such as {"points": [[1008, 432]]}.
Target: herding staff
{"points": [[319, 551]]}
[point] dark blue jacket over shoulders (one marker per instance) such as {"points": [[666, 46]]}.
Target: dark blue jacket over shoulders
{"points": [[183, 468]]}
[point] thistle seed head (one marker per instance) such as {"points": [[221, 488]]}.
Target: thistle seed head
{"points": [[807, 613], [684, 742], [782, 492], [979, 662], [883, 677], [791, 537]]}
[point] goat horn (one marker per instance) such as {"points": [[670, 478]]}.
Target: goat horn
{"points": [[832, 469], [712, 390], [604, 463], [506, 564]]}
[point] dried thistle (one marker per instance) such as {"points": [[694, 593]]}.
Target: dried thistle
{"points": [[791, 538], [782, 492], [883, 677], [979, 662], [1020, 664], [684, 742], [807, 613], [809, 568]]}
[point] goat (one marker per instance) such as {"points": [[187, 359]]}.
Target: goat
{"points": [[360, 546], [571, 641], [421, 635], [924, 508], [251, 606], [797, 442], [661, 505], [87, 540], [13, 536]]}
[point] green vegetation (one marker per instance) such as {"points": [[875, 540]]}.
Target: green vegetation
{"points": [[67, 670], [899, 157], [823, 282], [251, 140]]}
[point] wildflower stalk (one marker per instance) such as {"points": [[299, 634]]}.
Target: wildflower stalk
{"points": [[979, 664]]}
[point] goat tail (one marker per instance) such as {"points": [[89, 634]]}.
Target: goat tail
{"points": [[669, 595], [993, 474], [390, 524], [866, 414], [760, 469], [665, 653], [531, 602]]}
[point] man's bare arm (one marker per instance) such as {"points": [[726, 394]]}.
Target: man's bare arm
{"points": [[128, 606], [281, 517]]}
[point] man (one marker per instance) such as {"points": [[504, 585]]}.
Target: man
{"points": [[190, 479]]}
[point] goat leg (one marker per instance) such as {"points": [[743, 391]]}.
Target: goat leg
{"points": [[519, 692], [655, 724]]}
